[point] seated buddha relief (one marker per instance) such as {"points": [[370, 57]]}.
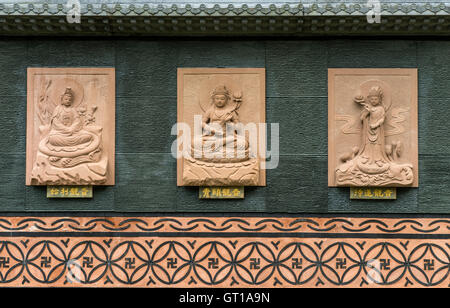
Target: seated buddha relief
{"points": [[222, 138], [70, 148], [224, 108], [71, 141]]}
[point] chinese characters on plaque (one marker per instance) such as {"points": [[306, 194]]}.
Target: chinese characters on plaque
{"points": [[373, 193], [69, 191], [220, 192]]}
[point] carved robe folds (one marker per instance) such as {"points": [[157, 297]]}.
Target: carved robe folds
{"points": [[70, 126], [221, 113], [372, 127]]}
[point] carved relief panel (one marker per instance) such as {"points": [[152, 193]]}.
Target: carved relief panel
{"points": [[70, 126], [372, 127], [221, 116]]}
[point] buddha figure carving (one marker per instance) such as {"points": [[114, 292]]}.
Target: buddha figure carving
{"points": [[70, 142], [220, 127], [373, 162], [223, 138], [69, 150], [220, 153]]}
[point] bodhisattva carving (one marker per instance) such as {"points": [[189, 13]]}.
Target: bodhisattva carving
{"points": [[70, 150], [222, 138], [220, 155], [373, 162], [221, 152]]}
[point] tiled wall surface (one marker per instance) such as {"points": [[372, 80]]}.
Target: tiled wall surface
{"points": [[296, 98]]}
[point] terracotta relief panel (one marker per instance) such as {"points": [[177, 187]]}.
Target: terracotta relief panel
{"points": [[372, 127], [221, 113], [70, 126]]}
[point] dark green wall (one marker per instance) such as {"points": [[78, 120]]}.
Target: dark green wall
{"points": [[296, 98]]}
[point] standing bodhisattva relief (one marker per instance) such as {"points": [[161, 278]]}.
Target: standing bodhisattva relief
{"points": [[219, 106], [70, 139], [373, 162], [373, 135]]}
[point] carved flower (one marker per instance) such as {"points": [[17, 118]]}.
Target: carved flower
{"points": [[82, 110], [237, 96]]}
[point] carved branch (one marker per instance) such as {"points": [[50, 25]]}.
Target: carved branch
{"points": [[45, 107]]}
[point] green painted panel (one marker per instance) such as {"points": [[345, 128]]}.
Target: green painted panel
{"points": [[303, 124], [146, 68], [296, 68], [433, 61], [13, 124], [144, 124], [13, 58], [12, 182]]}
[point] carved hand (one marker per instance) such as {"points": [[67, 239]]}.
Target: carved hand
{"points": [[218, 132], [359, 99], [364, 114], [228, 118], [210, 130]]}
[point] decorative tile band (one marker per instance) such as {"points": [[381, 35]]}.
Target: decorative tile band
{"points": [[336, 224], [224, 252]]}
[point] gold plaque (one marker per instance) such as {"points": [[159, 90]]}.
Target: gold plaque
{"points": [[373, 193], [221, 192], [69, 191]]}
